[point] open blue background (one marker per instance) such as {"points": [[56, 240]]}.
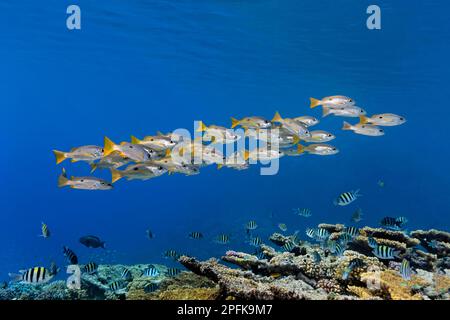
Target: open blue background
{"points": [[141, 66]]}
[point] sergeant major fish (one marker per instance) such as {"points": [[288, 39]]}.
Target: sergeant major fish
{"points": [[346, 198], [36, 275]]}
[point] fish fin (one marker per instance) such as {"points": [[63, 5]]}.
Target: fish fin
{"points": [[168, 152], [60, 156], [296, 140], [159, 133], [74, 160], [62, 179], [93, 167], [115, 175], [300, 149], [245, 154], [201, 127], [109, 147], [219, 166], [234, 122], [363, 120], [325, 111], [277, 117], [314, 103], [347, 126], [135, 140]]}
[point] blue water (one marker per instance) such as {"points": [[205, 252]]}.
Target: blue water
{"points": [[136, 67]]}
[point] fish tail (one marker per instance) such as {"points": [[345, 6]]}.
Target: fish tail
{"points": [[245, 154], [277, 117], [314, 103], [300, 149], [219, 166], [109, 147], [93, 167], [234, 122], [15, 276], [325, 111], [60, 156], [135, 140], [347, 126], [363, 119], [296, 140], [115, 175], [62, 179], [201, 127]]}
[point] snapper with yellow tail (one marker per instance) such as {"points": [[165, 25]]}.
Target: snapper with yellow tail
{"points": [[140, 171], [83, 183], [251, 122], [217, 134], [83, 153], [364, 129], [128, 150], [320, 149], [346, 111], [332, 101], [384, 120], [157, 143], [296, 128]]}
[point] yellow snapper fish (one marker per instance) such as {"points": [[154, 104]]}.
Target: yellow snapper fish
{"points": [[83, 183], [364, 129], [307, 120], [83, 153], [157, 143], [333, 101], [35, 276], [174, 165], [347, 111], [217, 134], [272, 136], [128, 150], [140, 171], [235, 161], [295, 127], [319, 136], [113, 160], [320, 149], [173, 136], [384, 120], [263, 154], [251, 122]]}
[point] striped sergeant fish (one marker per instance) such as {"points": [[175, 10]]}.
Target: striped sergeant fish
{"points": [[118, 286], [405, 270], [355, 263], [321, 234], [151, 287], [390, 223], [172, 272], [196, 235], [259, 253], [311, 233], [222, 239], [385, 252], [345, 238], [304, 212], [289, 246], [70, 255], [346, 198], [151, 271], [401, 221], [36, 275], [171, 254], [45, 232], [372, 242], [352, 231], [316, 257], [336, 248], [251, 225], [255, 241], [126, 274], [90, 268]]}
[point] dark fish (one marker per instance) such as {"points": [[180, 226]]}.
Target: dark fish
{"points": [[118, 286], [172, 254], [346, 198], [149, 234], [345, 238], [196, 235], [70, 255], [126, 274], [172, 272], [405, 269], [385, 252], [391, 223], [251, 225], [90, 268], [151, 287], [92, 242], [401, 221]]}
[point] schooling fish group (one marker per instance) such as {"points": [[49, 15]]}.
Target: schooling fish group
{"points": [[171, 153]]}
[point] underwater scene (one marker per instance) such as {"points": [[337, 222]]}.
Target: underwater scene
{"points": [[224, 150]]}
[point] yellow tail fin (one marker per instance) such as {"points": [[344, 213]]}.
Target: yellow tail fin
{"points": [[219, 166], [168, 152], [93, 167], [115, 175], [62, 179], [60, 156], [135, 140], [363, 120], [347, 126], [201, 127], [246, 155], [234, 122], [325, 111], [109, 147], [296, 139], [277, 117], [314, 103], [300, 149]]}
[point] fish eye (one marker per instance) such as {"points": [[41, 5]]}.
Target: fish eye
{"points": [[266, 121], [402, 119], [104, 150], [350, 100], [329, 135], [380, 117], [135, 168], [160, 168], [381, 130], [130, 146], [334, 149], [102, 183], [361, 111], [82, 180]]}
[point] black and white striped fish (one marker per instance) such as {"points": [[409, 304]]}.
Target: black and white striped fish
{"points": [[151, 271], [90, 268], [346, 198], [223, 239], [45, 232], [405, 270], [390, 223], [288, 246], [126, 274], [352, 231], [36, 275], [345, 238], [118, 286], [172, 272], [385, 252], [255, 241], [196, 235], [151, 287], [303, 212], [322, 234], [70, 255], [372, 242], [251, 225], [171, 254]]}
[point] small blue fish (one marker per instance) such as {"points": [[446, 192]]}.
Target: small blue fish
{"points": [[304, 212]]}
